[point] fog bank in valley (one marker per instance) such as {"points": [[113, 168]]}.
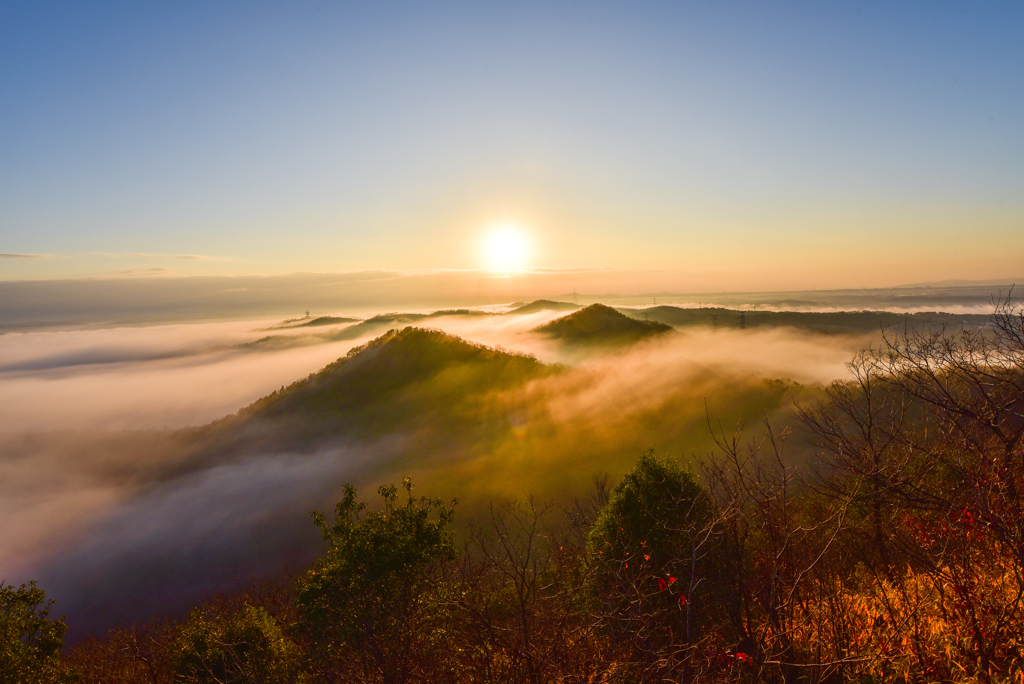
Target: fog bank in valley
{"points": [[102, 501]]}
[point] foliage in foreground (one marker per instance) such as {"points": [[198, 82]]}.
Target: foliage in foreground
{"points": [[30, 641], [366, 607], [247, 645]]}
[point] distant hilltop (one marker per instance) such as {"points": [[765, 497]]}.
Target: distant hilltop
{"points": [[598, 324], [543, 305]]}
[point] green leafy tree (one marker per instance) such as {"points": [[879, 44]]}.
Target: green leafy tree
{"points": [[649, 558], [368, 607], [244, 647], [30, 641]]}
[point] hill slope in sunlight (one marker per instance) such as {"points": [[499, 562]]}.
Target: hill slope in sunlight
{"points": [[388, 369], [405, 381]]}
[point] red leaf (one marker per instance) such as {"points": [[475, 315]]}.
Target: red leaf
{"points": [[662, 586], [682, 601]]}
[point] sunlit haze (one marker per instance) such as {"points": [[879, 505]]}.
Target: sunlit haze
{"points": [[506, 248]]}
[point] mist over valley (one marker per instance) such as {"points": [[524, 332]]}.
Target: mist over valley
{"points": [[148, 467]]}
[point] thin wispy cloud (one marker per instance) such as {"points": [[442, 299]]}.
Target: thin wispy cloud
{"points": [[149, 255], [14, 255], [153, 271]]}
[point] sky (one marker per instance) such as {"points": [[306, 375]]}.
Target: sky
{"points": [[770, 145]]}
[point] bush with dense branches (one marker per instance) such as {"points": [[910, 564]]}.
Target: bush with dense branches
{"points": [[30, 640], [650, 555], [366, 608], [242, 647]]}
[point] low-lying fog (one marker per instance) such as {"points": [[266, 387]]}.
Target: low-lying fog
{"points": [[170, 376], [91, 506]]}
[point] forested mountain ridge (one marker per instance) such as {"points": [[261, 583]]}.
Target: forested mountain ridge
{"points": [[827, 322]]}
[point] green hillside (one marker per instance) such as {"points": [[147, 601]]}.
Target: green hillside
{"points": [[388, 369], [486, 417], [405, 381]]}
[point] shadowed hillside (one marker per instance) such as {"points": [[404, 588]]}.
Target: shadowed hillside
{"points": [[598, 325]]}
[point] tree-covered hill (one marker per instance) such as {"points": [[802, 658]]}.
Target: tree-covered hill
{"points": [[600, 325], [405, 380]]}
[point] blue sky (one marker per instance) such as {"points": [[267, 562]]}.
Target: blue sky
{"points": [[793, 143]]}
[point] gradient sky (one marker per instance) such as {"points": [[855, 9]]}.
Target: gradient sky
{"points": [[774, 145]]}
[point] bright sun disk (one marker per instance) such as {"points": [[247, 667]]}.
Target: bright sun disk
{"points": [[505, 248]]}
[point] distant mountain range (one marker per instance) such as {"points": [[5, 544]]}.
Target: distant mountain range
{"points": [[316, 322], [1005, 282], [115, 301], [600, 325], [836, 322]]}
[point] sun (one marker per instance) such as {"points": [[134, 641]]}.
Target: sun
{"points": [[506, 248]]}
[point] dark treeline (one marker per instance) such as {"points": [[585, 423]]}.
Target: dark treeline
{"points": [[898, 553]]}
